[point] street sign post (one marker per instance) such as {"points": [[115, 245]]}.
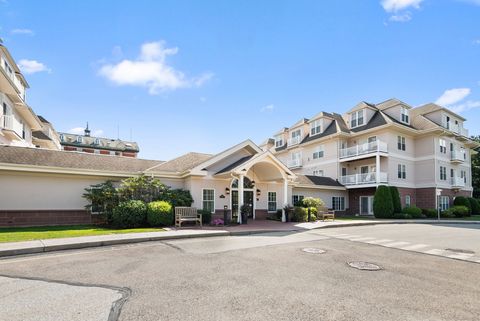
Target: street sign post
{"points": [[439, 193]]}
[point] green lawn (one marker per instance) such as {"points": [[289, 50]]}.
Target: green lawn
{"points": [[17, 234], [352, 218]]}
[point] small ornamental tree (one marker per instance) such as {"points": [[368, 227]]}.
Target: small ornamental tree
{"points": [[463, 201], [143, 188], [102, 198], [129, 214], [397, 204], [160, 213], [311, 202], [382, 203]]}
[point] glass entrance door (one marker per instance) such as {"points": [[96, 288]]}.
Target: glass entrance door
{"points": [[247, 200], [366, 205]]}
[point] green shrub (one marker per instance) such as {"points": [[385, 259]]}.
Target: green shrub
{"points": [[160, 213], [129, 214], [458, 211], [401, 216], [299, 214], [463, 201], [475, 206], [430, 212], [177, 197], [413, 211], [397, 204], [206, 216], [447, 213], [382, 203]]}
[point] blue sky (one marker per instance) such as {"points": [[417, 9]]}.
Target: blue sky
{"points": [[181, 76]]}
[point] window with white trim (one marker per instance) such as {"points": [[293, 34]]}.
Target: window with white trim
{"points": [[444, 203], [316, 127], [443, 173], [297, 199], [272, 201], [318, 172], [356, 118], [401, 143], [319, 153], [404, 117], [296, 133], [79, 139], [443, 146], [402, 171], [278, 141], [463, 175], [338, 203], [408, 201], [208, 200]]}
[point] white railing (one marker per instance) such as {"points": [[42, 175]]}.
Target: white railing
{"points": [[457, 182], [292, 163], [11, 123], [376, 146], [457, 129], [295, 140], [458, 156], [366, 178]]}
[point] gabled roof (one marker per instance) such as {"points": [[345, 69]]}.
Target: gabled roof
{"points": [[235, 164], [431, 107], [320, 115], [317, 181], [43, 120], [392, 102], [377, 120], [182, 163], [73, 160], [340, 122], [299, 123], [330, 130]]}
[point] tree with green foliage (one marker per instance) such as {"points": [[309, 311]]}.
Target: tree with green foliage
{"points": [[160, 213], [397, 204], [143, 188], [463, 201], [476, 169], [129, 214], [475, 205], [102, 198], [312, 202], [382, 202]]}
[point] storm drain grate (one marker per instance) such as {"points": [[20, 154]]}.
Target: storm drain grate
{"points": [[313, 250], [460, 251], [366, 266]]}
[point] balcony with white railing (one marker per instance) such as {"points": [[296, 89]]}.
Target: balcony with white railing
{"points": [[295, 140], [458, 129], [294, 163], [363, 149], [363, 179], [10, 123], [457, 156], [458, 182]]}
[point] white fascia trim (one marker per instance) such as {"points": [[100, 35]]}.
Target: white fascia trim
{"points": [[321, 187], [57, 170], [276, 162]]}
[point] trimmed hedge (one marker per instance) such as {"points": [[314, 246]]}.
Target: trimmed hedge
{"points": [[397, 204], [457, 211], [382, 203], [206, 216], [129, 214], [474, 205], [463, 201], [160, 213], [401, 216], [413, 211], [299, 214], [430, 212]]}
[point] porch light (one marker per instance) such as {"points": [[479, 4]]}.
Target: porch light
{"points": [[227, 191], [259, 192]]}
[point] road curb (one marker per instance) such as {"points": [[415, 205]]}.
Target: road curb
{"points": [[51, 245]]}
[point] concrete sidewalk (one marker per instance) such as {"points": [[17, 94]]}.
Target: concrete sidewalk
{"points": [[255, 227]]}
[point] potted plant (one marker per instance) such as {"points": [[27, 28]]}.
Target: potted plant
{"points": [[245, 211], [288, 209]]}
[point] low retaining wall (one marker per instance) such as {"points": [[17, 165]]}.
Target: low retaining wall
{"points": [[47, 217]]}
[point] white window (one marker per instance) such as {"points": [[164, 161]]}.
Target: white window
{"points": [[408, 201], [404, 115], [315, 127], [444, 203], [297, 199], [356, 118], [79, 139], [319, 153], [272, 201], [446, 121], [338, 203], [443, 173], [97, 141], [278, 141], [402, 171], [62, 137], [463, 175], [318, 172], [401, 143], [443, 146], [372, 139], [208, 200]]}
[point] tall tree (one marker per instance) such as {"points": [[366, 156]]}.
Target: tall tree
{"points": [[476, 170]]}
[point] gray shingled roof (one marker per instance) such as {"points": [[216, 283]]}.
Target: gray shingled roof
{"points": [[235, 164], [330, 130], [98, 142], [73, 160], [377, 120], [182, 163], [317, 180]]}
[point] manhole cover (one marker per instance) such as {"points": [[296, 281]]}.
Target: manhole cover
{"points": [[461, 251], [364, 266], [313, 250]]}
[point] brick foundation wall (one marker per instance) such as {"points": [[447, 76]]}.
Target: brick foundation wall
{"points": [[354, 198], [45, 217], [403, 191], [425, 197], [261, 214]]}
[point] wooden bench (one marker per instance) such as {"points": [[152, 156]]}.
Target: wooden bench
{"points": [[187, 214], [325, 213]]}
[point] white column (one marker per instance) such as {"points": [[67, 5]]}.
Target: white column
{"points": [[285, 199], [378, 168], [240, 197]]}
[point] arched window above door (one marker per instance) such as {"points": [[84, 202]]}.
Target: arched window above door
{"points": [[247, 183]]}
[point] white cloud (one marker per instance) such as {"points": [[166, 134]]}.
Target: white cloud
{"points": [[32, 66], [77, 131], [476, 42], [151, 70], [405, 17], [471, 104], [268, 108], [398, 5], [203, 99], [22, 32], [453, 96]]}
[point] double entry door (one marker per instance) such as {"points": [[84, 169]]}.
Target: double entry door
{"points": [[247, 200]]}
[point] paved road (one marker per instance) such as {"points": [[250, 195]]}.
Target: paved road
{"points": [[269, 277]]}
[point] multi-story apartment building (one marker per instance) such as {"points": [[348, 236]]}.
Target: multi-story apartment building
{"points": [[17, 119], [424, 151], [97, 145]]}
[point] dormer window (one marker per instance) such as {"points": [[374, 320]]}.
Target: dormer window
{"points": [[447, 121], [97, 141], [296, 137], [62, 137], [315, 127], [278, 141], [404, 115], [79, 139], [356, 118]]}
